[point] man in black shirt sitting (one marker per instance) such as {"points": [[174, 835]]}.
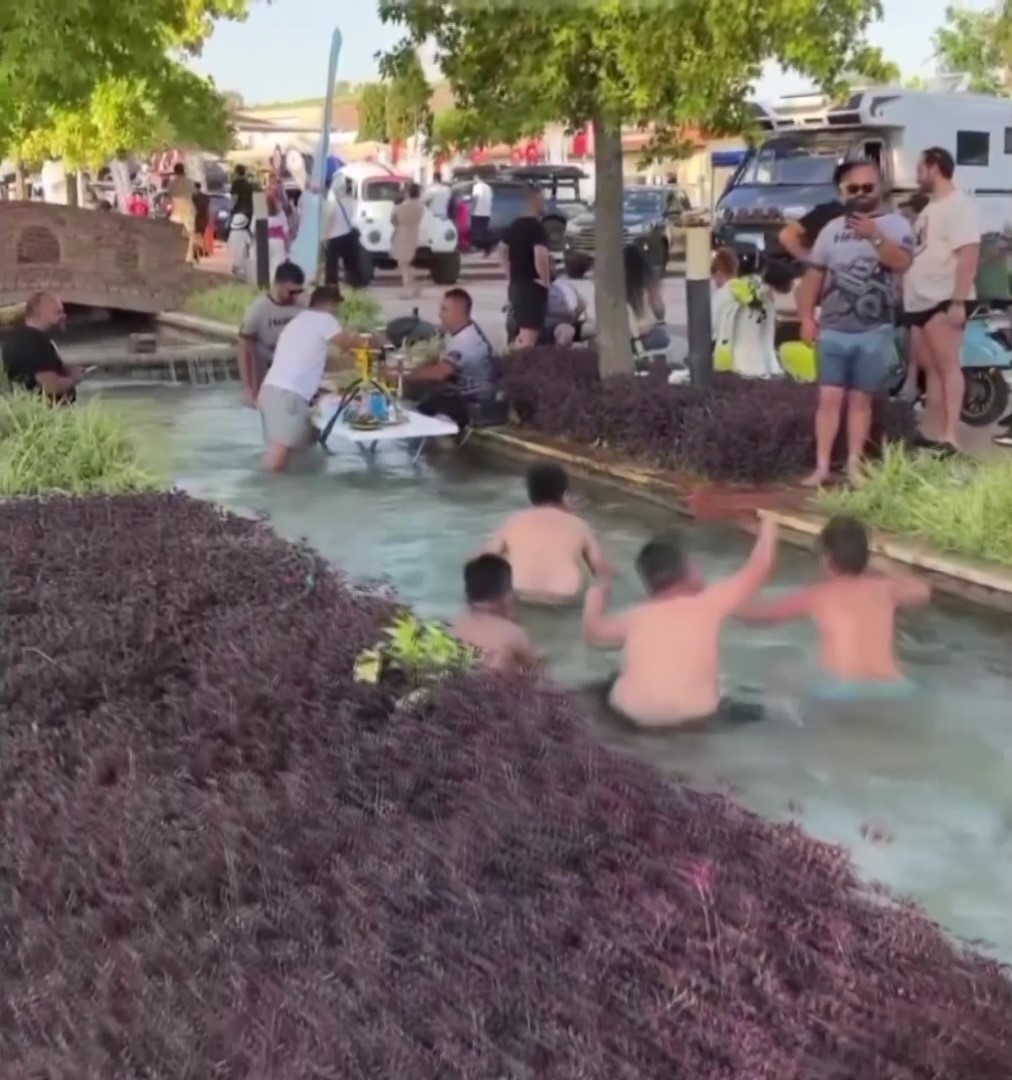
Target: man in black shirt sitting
{"points": [[525, 258], [30, 358]]}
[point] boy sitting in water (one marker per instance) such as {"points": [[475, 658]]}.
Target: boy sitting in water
{"points": [[854, 611], [547, 545], [671, 644], [486, 624]]}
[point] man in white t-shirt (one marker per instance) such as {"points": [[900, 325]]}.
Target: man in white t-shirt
{"points": [[293, 381], [437, 196], [938, 286], [481, 212]]}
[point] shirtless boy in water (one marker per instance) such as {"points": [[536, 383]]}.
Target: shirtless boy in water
{"points": [[486, 624], [671, 644], [548, 546], [854, 611]]}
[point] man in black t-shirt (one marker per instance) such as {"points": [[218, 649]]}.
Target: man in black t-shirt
{"points": [[524, 256], [797, 237], [30, 358]]}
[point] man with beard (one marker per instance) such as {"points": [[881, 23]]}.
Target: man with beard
{"points": [[852, 279], [30, 357]]}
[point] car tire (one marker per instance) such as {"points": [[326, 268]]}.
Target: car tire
{"points": [[366, 270], [445, 269]]}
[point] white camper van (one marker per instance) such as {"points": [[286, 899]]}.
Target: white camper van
{"points": [[374, 189], [806, 137]]}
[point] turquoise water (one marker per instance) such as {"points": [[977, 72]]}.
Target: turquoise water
{"points": [[929, 785]]}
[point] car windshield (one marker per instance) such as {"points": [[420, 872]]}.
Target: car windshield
{"points": [[508, 197], [643, 202], [384, 190], [796, 160]]}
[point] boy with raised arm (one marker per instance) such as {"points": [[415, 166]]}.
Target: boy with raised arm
{"points": [[670, 673], [854, 611], [548, 546], [486, 624]]}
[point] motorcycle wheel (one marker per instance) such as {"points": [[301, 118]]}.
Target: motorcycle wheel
{"points": [[986, 398]]}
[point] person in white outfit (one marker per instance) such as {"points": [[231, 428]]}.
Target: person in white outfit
{"points": [[279, 240], [438, 195]]}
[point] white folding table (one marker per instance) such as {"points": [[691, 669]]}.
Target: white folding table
{"points": [[414, 428]]}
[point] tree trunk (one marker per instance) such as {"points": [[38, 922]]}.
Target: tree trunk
{"points": [[20, 189], [610, 314], [73, 196]]}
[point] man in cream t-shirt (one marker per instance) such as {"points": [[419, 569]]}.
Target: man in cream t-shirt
{"points": [[938, 286], [293, 381]]}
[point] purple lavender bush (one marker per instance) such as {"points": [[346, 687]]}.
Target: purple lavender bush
{"points": [[222, 857], [740, 431]]}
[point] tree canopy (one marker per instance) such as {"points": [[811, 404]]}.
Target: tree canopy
{"points": [[977, 43], [664, 64], [398, 107], [71, 73]]}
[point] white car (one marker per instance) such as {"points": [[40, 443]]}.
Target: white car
{"points": [[373, 190]]}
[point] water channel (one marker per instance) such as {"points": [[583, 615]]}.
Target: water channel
{"points": [[935, 781]]}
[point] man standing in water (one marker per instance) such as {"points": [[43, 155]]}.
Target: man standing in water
{"points": [[670, 675], [261, 327]]}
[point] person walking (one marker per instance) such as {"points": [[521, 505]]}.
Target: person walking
{"points": [[340, 237], [481, 213], [438, 195], [523, 254], [852, 277], [407, 222], [645, 301], [201, 216], [181, 208], [279, 242], [937, 288]]}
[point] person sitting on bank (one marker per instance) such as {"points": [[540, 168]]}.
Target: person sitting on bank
{"points": [[645, 302], [488, 622], [30, 357], [549, 547], [854, 612], [262, 325], [670, 674], [567, 313], [296, 372], [463, 378]]}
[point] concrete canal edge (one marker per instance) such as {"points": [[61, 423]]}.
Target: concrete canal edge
{"points": [[979, 583]]}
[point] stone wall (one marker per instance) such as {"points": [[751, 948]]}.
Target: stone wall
{"points": [[94, 257]]}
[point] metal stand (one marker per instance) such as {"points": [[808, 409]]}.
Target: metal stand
{"points": [[697, 303], [263, 253]]}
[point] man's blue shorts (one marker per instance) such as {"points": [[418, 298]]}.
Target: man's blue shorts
{"points": [[856, 361]]}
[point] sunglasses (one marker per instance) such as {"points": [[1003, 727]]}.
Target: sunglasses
{"points": [[859, 189]]}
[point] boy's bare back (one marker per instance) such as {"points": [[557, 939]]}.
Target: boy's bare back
{"points": [[550, 550], [502, 644]]}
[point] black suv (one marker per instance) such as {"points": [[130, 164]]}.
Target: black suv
{"points": [[651, 219], [563, 201]]}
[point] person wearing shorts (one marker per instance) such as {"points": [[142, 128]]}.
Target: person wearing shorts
{"points": [[524, 256], [852, 277], [286, 398]]}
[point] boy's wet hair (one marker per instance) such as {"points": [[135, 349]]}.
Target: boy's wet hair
{"points": [[662, 563], [487, 578], [844, 542], [547, 485]]}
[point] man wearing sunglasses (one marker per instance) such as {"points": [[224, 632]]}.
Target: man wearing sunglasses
{"points": [[261, 327], [852, 278]]}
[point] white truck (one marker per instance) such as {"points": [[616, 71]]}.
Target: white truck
{"points": [[806, 136], [373, 189]]}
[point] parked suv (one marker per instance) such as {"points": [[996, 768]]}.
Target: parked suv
{"points": [[651, 219]]}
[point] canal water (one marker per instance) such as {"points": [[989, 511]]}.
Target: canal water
{"points": [[923, 799]]}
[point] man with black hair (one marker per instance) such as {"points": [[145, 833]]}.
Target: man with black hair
{"points": [[797, 238], [548, 546], [487, 623], [938, 286], [265, 319], [854, 611], [293, 381], [852, 279], [670, 644]]}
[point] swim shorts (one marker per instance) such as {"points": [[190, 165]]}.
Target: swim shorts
{"points": [[856, 360], [730, 712]]}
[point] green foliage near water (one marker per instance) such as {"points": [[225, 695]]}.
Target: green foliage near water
{"points": [[423, 651], [959, 505], [228, 303], [48, 449]]}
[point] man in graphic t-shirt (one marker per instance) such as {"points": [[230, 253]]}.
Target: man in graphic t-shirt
{"points": [[938, 286], [852, 278], [261, 327]]}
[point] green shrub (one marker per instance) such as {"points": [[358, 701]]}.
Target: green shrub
{"points": [[11, 314], [955, 505], [48, 449], [227, 304]]}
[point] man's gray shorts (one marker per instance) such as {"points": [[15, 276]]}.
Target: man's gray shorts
{"points": [[285, 417]]}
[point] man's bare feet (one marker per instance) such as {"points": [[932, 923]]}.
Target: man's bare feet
{"points": [[816, 480], [855, 471]]}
